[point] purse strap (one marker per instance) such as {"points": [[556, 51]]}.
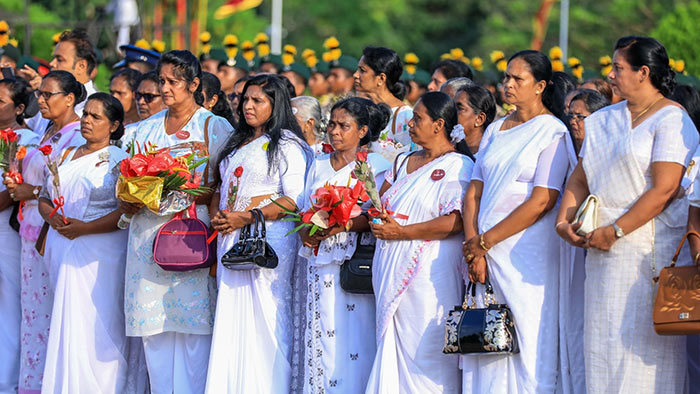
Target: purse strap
{"points": [[206, 142], [470, 295], [261, 217], [678, 250]]}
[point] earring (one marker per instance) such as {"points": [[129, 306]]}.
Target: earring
{"points": [[537, 92]]}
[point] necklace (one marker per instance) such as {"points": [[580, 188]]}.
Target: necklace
{"points": [[167, 116], [645, 110]]}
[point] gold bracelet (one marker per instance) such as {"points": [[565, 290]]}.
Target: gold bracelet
{"points": [[482, 244]]}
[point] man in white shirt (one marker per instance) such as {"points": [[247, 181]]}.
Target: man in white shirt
{"points": [[73, 53]]}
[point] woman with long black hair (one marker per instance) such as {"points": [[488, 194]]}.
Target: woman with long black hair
{"points": [[264, 160]]}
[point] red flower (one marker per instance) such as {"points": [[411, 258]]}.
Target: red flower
{"points": [[46, 150], [327, 148], [361, 156], [193, 183], [11, 136], [238, 172], [161, 162]]}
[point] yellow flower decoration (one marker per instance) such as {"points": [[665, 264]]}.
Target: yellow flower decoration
{"points": [[456, 53], [555, 53], [478, 63], [502, 65], [671, 63], [262, 42], [410, 62], [158, 46], [497, 56], [557, 65], [290, 51], [248, 51], [311, 61], [331, 43], [680, 66], [576, 67], [4, 33], [327, 57], [231, 46], [143, 44], [445, 56], [307, 53], [55, 38], [13, 42], [205, 37], [605, 65]]}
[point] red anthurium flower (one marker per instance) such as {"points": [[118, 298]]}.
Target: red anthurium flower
{"points": [[46, 150], [159, 163]]}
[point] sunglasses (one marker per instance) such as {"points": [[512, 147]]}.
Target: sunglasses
{"points": [[46, 95], [147, 97]]}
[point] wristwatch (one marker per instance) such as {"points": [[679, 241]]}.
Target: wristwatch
{"points": [[35, 191], [618, 231]]}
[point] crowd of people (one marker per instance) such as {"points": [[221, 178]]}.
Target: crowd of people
{"points": [[479, 179]]}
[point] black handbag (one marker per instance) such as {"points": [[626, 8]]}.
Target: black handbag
{"points": [[356, 272], [252, 250], [480, 330]]}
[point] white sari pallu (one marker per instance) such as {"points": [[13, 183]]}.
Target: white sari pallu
{"points": [[416, 283], [88, 348], [623, 354], [524, 268]]}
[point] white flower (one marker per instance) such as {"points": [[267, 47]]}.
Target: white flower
{"points": [[457, 133]]}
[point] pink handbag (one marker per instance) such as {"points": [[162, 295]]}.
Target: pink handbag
{"points": [[184, 243]]}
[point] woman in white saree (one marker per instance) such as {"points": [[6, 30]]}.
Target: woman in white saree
{"points": [[521, 167], [57, 96], [339, 344], [632, 159], [416, 274], [15, 95], [265, 160], [88, 348]]}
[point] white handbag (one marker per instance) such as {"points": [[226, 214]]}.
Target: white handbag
{"points": [[587, 215]]}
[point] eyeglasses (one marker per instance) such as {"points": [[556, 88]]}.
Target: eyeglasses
{"points": [[577, 117], [147, 97], [46, 95]]}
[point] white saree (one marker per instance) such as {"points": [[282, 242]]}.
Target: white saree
{"points": [[37, 294], [252, 344], [88, 348], [339, 342], [416, 283], [622, 351], [10, 290], [524, 268]]}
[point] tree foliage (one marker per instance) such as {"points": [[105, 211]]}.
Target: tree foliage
{"points": [[678, 31]]}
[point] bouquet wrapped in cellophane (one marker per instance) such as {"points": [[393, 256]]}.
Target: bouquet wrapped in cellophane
{"points": [[164, 180]]}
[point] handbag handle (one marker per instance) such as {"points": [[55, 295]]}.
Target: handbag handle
{"points": [[263, 232], [191, 212], [245, 232], [256, 233], [678, 250], [489, 297]]}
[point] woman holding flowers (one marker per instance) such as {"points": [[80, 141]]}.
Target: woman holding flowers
{"points": [[264, 161], [88, 283], [416, 274], [57, 96], [339, 344], [15, 95], [172, 311]]}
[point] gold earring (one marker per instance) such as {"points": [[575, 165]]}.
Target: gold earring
{"points": [[537, 92]]}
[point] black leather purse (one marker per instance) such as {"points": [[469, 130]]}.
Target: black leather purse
{"points": [[470, 330], [252, 250], [356, 273]]}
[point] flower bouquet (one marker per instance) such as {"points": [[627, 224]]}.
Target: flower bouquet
{"points": [[8, 148], [331, 205], [388, 147], [164, 183]]}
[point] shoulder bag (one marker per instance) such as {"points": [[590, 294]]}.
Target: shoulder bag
{"points": [[184, 243], [471, 330], [677, 306], [252, 250]]}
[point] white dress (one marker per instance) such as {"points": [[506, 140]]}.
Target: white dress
{"points": [[524, 268], [88, 348], [10, 290], [252, 345], [622, 351], [339, 336], [416, 283], [36, 291]]}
